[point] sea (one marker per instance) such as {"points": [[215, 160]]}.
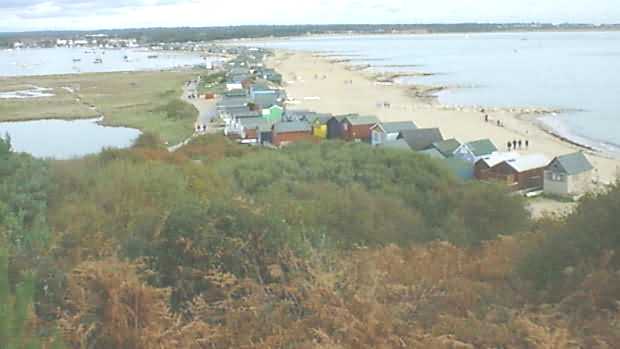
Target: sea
{"points": [[577, 73]]}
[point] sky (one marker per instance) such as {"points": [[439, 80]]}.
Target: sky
{"points": [[27, 15]]}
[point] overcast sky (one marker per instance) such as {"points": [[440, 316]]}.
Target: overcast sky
{"points": [[22, 15]]}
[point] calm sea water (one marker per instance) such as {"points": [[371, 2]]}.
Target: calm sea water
{"points": [[30, 62], [576, 72], [61, 139]]}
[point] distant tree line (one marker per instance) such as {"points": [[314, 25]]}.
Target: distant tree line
{"points": [[184, 34]]}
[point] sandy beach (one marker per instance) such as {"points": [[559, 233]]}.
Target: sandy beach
{"points": [[320, 84]]}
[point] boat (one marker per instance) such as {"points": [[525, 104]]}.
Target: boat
{"points": [[153, 56], [75, 60], [98, 61]]}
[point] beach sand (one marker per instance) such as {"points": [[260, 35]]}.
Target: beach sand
{"points": [[321, 85]]}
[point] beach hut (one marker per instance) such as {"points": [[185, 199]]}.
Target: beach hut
{"points": [[266, 100], [568, 175], [397, 144], [273, 113], [240, 93], [389, 131], [482, 166], [319, 125], [284, 133], [357, 128], [422, 138], [447, 147], [433, 153], [521, 173], [476, 150], [462, 169], [334, 127]]}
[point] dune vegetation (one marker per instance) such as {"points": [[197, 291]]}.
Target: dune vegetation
{"points": [[336, 245], [140, 100]]}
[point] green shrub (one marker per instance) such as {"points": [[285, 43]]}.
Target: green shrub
{"points": [[357, 182], [569, 251], [180, 110]]}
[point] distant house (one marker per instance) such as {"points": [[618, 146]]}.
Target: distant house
{"points": [[284, 133], [447, 147], [422, 138], [521, 173], [397, 144], [389, 131], [568, 175], [474, 151], [358, 128]]}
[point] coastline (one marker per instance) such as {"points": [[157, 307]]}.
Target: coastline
{"points": [[420, 104], [538, 116], [271, 39]]}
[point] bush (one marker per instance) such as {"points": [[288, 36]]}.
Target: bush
{"points": [[589, 236], [180, 110], [148, 140], [343, 190]]}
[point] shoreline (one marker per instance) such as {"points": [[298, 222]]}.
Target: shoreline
{"points": [[533, 115], [403, 33], [420, 103]]}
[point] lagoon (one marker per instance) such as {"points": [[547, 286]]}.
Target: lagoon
{"points": [[63, 139]]}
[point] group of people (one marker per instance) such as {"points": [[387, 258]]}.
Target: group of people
{"points": [[201, 128], [386, 105], [499, 122], [518, 143]]}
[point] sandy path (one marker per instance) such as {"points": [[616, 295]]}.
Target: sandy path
{"points": [[307, 75]]}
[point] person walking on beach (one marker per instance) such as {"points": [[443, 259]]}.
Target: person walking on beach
{"points": [[520, 144], [509, 145], [486, 118], [527, 144], [514, 144]]}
